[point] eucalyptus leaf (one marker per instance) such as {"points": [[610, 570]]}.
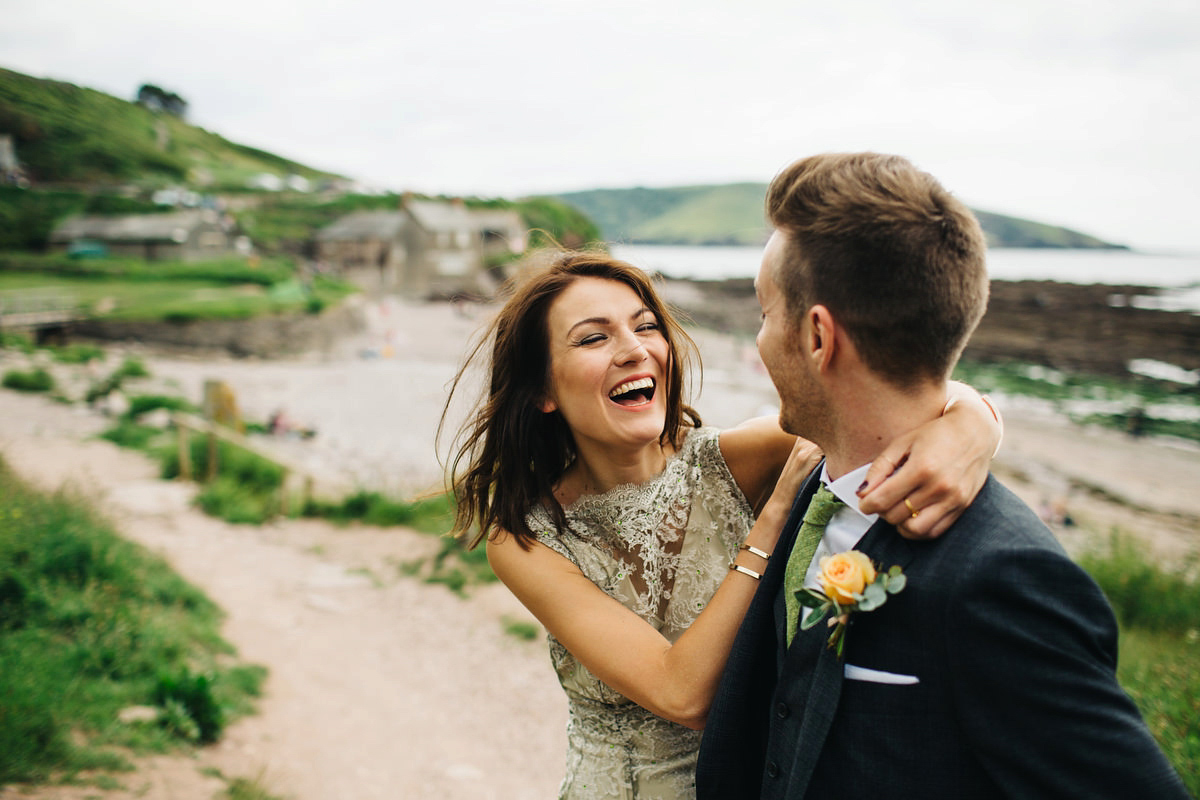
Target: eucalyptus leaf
{"points": [[810, 598], [895, 571], [874, 593], [813, 618], [897, 583]]}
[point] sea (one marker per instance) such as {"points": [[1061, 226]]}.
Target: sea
{"points": [[1177, 276]]}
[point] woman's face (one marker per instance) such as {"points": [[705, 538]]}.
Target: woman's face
{"points": [[608, 364]]}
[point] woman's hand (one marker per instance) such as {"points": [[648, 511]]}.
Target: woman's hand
{"points": [[800, 462], [924, 480]]}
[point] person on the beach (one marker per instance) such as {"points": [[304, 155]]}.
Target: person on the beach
{"points": [[991, 673], [629, 530]]}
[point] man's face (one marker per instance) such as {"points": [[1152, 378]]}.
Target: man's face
{"points": [[779, 341]]}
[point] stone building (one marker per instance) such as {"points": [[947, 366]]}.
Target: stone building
{"points": [[189, 235], [425, 248]]}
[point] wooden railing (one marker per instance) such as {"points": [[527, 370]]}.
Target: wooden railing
{"points": [[188, 424]]}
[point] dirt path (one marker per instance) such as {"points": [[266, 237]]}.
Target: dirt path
{"points": [[380, 687]]}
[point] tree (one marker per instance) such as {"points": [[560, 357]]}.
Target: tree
{"points": [[156, 99]]}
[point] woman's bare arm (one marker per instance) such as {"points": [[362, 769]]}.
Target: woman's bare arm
{"points": [[676, 681], [945, 462]]}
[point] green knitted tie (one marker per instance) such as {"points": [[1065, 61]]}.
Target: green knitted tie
{"points": [[820, 510]]}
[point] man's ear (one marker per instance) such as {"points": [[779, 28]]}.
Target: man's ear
{"points": [[821, 344]]}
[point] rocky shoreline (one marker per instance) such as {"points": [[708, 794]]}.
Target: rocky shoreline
{"points": [[1095, 329]]}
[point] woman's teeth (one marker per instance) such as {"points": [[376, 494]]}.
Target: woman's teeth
{"points": [[631, 386]]}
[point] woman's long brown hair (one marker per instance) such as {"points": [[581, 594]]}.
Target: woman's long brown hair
{"points": [[509, 455]]}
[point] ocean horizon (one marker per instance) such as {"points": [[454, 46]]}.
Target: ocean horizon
{"points": [[1114, 267]]}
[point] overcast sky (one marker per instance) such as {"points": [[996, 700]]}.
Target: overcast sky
{"points": [[1074, 112]]}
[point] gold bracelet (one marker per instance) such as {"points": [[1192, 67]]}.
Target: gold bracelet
{"points": [[749, 548], [745, 571]]}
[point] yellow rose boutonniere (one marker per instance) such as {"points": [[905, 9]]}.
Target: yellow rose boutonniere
{"points": [[849, 583]]}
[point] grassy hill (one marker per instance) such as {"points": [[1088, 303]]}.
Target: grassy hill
{"points": [[67, 134], [733, 214], [85, 151]]}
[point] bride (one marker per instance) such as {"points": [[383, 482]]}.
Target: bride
{"points": [[616, 518]]}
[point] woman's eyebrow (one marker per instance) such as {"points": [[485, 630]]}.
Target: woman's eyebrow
{"points": [[606, 320], [588, 321]]}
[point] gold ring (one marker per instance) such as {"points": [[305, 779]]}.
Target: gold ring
{"points": [[910, 508]]}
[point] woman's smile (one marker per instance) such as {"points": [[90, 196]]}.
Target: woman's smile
{"points": [[634, 393], [608, 358]]}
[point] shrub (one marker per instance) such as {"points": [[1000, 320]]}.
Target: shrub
{"points": [[77, 354], [132, 367], [1142, 593], [236, 502], [430, 514], [35, 380], [127, 433], [145, 403], [89, 624], [189, 698], [17, 341]]}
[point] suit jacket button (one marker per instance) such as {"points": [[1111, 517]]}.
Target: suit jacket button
{"points": [[782, 711], [772, 769]]}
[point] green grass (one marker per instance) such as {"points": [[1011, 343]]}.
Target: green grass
{"points": [[17, 341], [132, 290], [77, 353], [33, 380], [1078, 395], [145, 403], [1159, 662], [67, 133], [429, 515], [246, 489], [130, 368], [520, 629], [28, 216], [91, 624], [128, 433]]}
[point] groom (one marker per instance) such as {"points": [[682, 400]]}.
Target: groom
{"points": [[992, 673]]}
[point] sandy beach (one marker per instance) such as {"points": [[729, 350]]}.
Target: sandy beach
{"points": [[382, 686]]}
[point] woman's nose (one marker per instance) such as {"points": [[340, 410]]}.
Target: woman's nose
{"points": [[631, 351]]}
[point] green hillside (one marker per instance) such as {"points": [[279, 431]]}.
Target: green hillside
{"points": [[63, 133], [733, 214]]}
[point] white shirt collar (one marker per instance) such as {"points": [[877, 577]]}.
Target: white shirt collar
{"points": [[847, 526], [845, 489]]}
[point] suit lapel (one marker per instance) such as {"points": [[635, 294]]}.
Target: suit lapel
{"points": [[819, 710], [884, 546], [773, 578]]}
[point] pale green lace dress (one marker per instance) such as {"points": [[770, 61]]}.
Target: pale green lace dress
{"points": [[661, 548]]}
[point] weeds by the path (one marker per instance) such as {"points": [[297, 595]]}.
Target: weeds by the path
{"points": [[1158, 608], [102, 645]]}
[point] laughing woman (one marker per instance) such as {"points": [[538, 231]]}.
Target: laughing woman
{"points": [[616, 518]]}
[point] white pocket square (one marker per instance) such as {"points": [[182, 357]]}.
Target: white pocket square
{"points": [[853, 673]]}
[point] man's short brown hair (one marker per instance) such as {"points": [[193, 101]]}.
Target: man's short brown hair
{"points": [[897, 259]]}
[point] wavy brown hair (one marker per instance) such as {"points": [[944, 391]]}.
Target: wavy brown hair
{"points": [[509, 455]]}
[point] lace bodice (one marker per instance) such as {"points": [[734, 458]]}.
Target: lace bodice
{"points": [[661, 548]]}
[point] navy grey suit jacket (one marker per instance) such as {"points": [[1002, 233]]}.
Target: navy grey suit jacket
{"points": [[1013, 648]]}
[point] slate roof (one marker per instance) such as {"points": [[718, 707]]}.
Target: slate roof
{"points": [[360, 225], [169, 227], [435, 216]]}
